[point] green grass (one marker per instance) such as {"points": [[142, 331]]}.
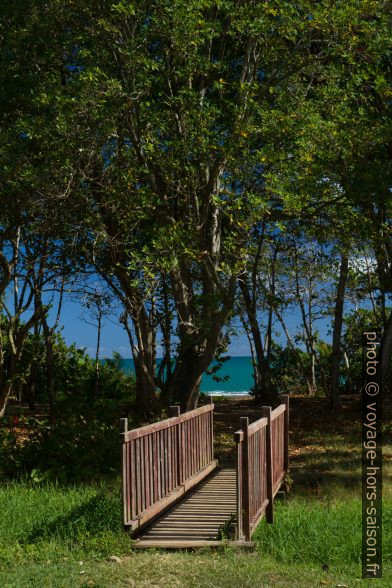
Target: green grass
{"points": [[63, 536], [47, 521], [46, 531], [183, 570], [323, 533]]}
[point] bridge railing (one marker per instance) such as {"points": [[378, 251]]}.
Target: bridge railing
{"points": [[262, 461], [162, 461], [279, 443]]}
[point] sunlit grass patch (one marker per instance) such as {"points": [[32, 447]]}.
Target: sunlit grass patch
{"points": [[49, 521]]}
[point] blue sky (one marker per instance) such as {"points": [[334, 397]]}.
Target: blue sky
{"points": [[114, 338]]}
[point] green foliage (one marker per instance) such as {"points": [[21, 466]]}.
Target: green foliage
{"points": [[82, 442], [151, 138], [356, 323]]}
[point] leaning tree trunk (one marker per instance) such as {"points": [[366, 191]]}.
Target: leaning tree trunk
{"points": [[256, 372], [266, 391], [9, 372], [17, 337], [199, 333], [97, 352], [193, 359], [145, 387], [186, 379], [143, 352], [5, 392], [50, 368], [386, 350], [337, 332]]}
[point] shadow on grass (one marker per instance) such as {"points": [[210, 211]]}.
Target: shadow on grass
{"points": [[335, 467], [99, 514]]}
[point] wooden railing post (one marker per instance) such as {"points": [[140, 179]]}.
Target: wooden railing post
{"points": [[269, 511], [210, 401], [175, 411], [123, 426], [245, 479], [125, 471], [238, 436], [286, 401]]}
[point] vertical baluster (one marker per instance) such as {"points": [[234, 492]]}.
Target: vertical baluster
{"points": [[181, 455], [177, 460], [191, 448], [161, 468], [238, 436], [174, 456], [245, 479], [251, 477], [186, 449], [266, 411], [286, 400], [257, 471], [192, 425], [170, 458], [208, 423], [126, 481], [138, 477], [198, 443], [189, 437], [149, 471], [166, 460], [212, 428], [154, 467]]}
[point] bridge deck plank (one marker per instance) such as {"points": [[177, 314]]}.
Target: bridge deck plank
{"points": [[198, 517]]}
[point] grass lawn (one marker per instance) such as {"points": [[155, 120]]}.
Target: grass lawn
{"points": [[53, 535]]}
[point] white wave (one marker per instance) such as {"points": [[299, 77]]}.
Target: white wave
{"points": [[227, 393]]}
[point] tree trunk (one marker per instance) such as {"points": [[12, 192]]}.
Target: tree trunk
{"points": [[17, 337], [193, 360], [165, 368], [50, 371], [97, 350], [386, 350], [143, 358], [265, 392], [31, 388], [347, 365], [145, 387], [199, 329], [337, 332], [252, 351], [186, 380], [5, 392], [313, 381]]}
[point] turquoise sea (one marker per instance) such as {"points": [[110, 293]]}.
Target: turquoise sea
{"points": [[238, 370]]}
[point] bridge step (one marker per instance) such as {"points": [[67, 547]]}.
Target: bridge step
{"points": [[199, 519], [193, 544]]}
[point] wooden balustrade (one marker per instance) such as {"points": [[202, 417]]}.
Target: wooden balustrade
{"points": [[262, 461], [278, 442], [164, 460]]}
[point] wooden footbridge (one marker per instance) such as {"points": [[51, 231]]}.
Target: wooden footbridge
{"points": [[174, 494]]}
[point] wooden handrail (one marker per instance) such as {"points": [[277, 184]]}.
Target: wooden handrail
{"points": [[164, 460], [167, 423], [252, 429], [278, 411], [262, 461], [257, 425]]}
